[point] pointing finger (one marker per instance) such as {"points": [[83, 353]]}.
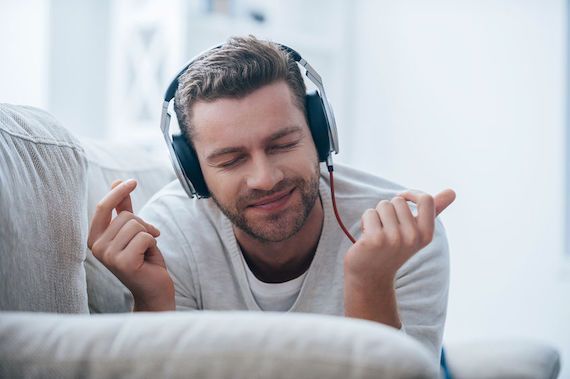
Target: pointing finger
{"points": [[126, 204], [104, 209], [443, 200]]}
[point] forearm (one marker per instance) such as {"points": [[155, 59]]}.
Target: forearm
{"points": [[376, 303]]}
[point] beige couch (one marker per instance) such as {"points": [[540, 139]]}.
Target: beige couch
{"points": [[64, 315]]}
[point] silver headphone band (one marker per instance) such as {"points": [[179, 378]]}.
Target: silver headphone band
{"points": [[176, 164]]}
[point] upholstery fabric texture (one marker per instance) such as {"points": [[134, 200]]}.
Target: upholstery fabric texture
{"points": [[43, 221], [207, 345]]}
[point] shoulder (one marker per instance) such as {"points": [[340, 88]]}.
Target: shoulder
{"points": [[353, 183]]}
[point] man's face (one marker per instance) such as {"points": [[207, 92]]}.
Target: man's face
{"points": [[259, 161]]}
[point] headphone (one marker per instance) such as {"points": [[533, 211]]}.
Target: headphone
{"points": [[185, 160]]}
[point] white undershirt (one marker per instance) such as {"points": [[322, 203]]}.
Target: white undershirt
{"points": [[278, 297]]}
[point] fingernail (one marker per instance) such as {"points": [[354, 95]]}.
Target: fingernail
{"points": [[129, 181]]}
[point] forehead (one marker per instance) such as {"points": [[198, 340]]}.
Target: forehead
{"points": [[245, 121]]}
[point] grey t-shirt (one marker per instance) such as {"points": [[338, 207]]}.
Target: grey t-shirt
{"points": [[205, 263]]}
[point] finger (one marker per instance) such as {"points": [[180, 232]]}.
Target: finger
{"points": [[426, 212], [154, 256], [134, 253], [403, 211], [443, 200], [370, 222], [387, 215], [115, 239], [408, 225], [122, 219], [150, 228], [127, 232], [104, 209], [126, 204]]}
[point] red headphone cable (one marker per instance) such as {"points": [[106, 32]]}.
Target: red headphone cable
{"points": [[344, 229]]}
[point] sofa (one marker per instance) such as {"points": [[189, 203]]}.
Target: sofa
{"points": [[64, 315]]}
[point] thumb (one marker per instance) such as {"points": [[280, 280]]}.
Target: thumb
{"points": [[443, 199]]}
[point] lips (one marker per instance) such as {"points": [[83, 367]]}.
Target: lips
{"points": [[272, 200]]}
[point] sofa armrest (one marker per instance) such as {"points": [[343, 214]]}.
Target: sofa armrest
{"points": [[206, 345], [43, 221]]}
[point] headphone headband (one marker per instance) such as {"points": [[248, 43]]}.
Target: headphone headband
{"points": [[318, 102], [171, 90]]}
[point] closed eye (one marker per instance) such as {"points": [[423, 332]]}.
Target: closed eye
{"points": [[231, 163], [284, 147]]}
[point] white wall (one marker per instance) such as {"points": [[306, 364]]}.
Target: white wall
{"points": [[470, 94], [54, 57], [24, 29], [78, 65]]}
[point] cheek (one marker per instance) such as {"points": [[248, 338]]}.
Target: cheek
{"points": [[225, 187], [307, 157]]}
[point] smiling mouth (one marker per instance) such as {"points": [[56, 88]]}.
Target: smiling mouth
{"points": [[272, 202]]}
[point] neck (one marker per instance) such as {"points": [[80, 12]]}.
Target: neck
{"points": [[278, 262]]}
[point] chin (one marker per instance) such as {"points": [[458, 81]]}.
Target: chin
{"points": [[279, 227]]}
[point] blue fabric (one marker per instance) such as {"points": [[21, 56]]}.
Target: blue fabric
{"points": [[445, 372]]}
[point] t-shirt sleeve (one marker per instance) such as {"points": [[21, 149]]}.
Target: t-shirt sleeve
{"points": [[422, 286], [162, 213]]}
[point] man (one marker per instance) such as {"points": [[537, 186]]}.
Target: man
{"points": [[267, 238]]}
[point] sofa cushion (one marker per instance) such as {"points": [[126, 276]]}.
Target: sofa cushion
{"points": [[43, 227], [107, 162], [502, 359], [206, 344]]}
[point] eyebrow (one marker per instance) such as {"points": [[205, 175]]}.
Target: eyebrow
{"points": [[237, 149]]}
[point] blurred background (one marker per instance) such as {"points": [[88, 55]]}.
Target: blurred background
{"points": [[467, 94]]}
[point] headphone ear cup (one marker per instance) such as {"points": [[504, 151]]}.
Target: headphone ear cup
{"points": [[318, 124], [190, 164]]}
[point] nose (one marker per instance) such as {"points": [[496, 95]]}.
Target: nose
{"points": [[264, 175]]}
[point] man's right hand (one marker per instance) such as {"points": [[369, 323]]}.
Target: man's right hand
{"points": [[391, 235], [126, 245]]}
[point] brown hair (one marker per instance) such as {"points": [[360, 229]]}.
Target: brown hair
{"points": [[234, 70]]}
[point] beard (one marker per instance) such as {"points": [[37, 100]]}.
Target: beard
{"points": [[280, 226]]}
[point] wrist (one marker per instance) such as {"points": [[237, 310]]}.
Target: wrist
{"points": [[368, 280], [374, 301], [160, 303], [145, 306], [369, 291]]}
